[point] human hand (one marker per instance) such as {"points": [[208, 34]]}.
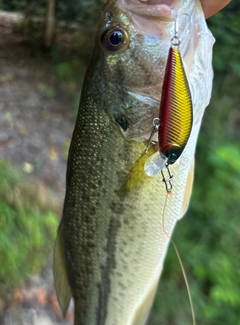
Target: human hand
{"points": [[210, 7]]}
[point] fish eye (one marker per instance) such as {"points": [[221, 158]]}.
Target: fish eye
{"points": [[115, 39]]}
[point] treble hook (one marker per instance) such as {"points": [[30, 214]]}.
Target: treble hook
{"points": [[168, 180], [156, 124]]}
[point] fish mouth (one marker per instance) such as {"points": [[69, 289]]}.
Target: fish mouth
{"points": [[156, 9]]}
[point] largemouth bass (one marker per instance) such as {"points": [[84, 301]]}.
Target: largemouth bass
{"points": [[111, 245]]}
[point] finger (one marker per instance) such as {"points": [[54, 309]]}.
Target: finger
{"points": [[211, 7]]}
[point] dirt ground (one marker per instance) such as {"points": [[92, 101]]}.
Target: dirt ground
{"points": [[35, 130]]}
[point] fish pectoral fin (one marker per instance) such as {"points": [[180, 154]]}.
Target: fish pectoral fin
{"points": [[137, 175], [62, 286], [188, 189]]}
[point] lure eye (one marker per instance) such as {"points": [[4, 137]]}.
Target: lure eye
{"points": [[115, 39], [173, 152]]}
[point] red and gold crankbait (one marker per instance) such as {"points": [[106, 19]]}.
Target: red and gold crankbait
{"points": [[176, 109], [175, 116]]}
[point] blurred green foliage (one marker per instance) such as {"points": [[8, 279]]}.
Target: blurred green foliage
{"points": [[208, 237], [27, 227], [15, 5], [83, 12]]}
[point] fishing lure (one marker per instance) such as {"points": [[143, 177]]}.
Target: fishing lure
{"points": [[175, 115]]}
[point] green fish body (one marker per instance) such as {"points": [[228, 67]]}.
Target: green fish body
{"points": [[111, 245]]}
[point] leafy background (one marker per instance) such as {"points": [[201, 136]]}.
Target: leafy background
{"points": [[208, 237]]}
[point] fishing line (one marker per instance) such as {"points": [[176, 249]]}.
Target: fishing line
{"points": [[179, 258]]}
